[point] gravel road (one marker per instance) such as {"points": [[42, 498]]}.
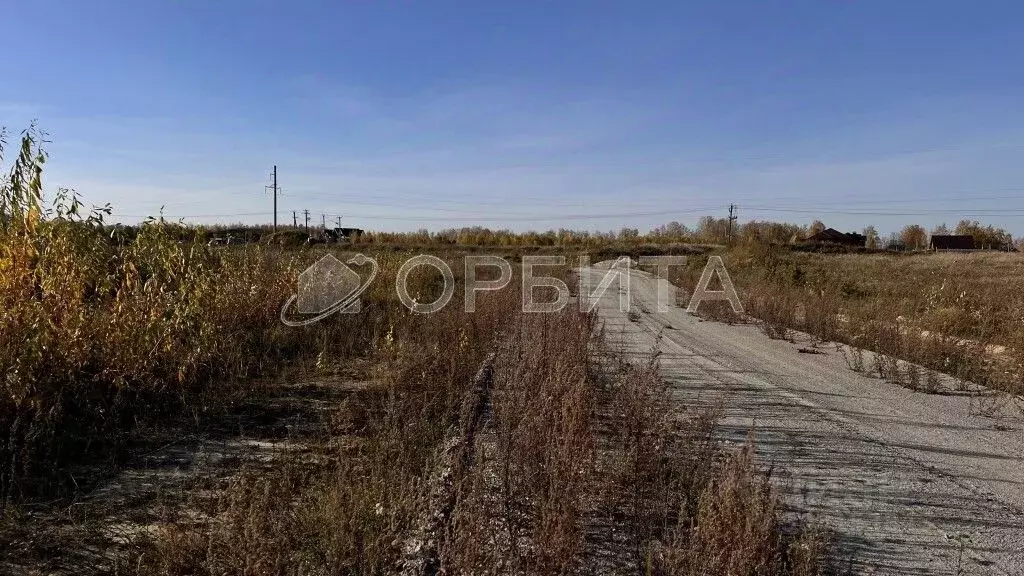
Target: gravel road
{"points": [[907, 482]]}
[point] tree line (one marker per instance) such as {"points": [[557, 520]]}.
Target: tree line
{"points": [[914, 236], [708, 230]]}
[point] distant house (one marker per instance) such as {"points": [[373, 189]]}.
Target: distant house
{"points": [[833, 236], [951, 242]]}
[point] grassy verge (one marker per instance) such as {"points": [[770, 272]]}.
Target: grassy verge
{"points": [[589, 466], [959, 314]]}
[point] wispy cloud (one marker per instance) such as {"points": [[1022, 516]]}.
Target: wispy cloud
{"points": [[19, 112], [506, 148]]}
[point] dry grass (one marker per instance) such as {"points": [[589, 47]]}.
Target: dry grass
{"points": [[99, 335], [961, 314], [736, 529], [349, 516], [692, 508], [589, 466], [543, 406], [102, 335]]}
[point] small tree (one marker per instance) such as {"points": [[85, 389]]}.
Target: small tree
{"points": [[871, 237], [816, 226], [676, 231], [914, 236], [711, 229], [894, 242], [985, 236]]}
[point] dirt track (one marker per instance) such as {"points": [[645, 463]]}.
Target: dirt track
{"points": [[908, 482]]}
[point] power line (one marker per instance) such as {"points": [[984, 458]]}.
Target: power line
{"points": [[167, 216], [275, 189], [930, 199], [667, 211], [840, 206], [640, 196], [471, 214], [535, 218], [732, 218], [930, 212], [471, 208], [475, 202]]}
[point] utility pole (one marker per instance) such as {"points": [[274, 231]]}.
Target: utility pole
{"points": [[273, 187], [732, 218], [306, 214], [295, 220], [339, 221]]}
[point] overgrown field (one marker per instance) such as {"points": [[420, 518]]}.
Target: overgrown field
{"points": [[958, 313], [99, 334], [574, 457], [575, 464]]}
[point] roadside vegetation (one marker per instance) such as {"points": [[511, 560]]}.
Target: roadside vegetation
{"points": [[563, 463], [961, 314], [571, 460], [99, 335]]}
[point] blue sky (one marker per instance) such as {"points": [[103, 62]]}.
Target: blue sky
{"points": [[528, 114]]}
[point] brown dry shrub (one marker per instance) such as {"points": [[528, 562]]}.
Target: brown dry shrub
{"points": [[543, 406], [351, 514], [737, 530]]}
